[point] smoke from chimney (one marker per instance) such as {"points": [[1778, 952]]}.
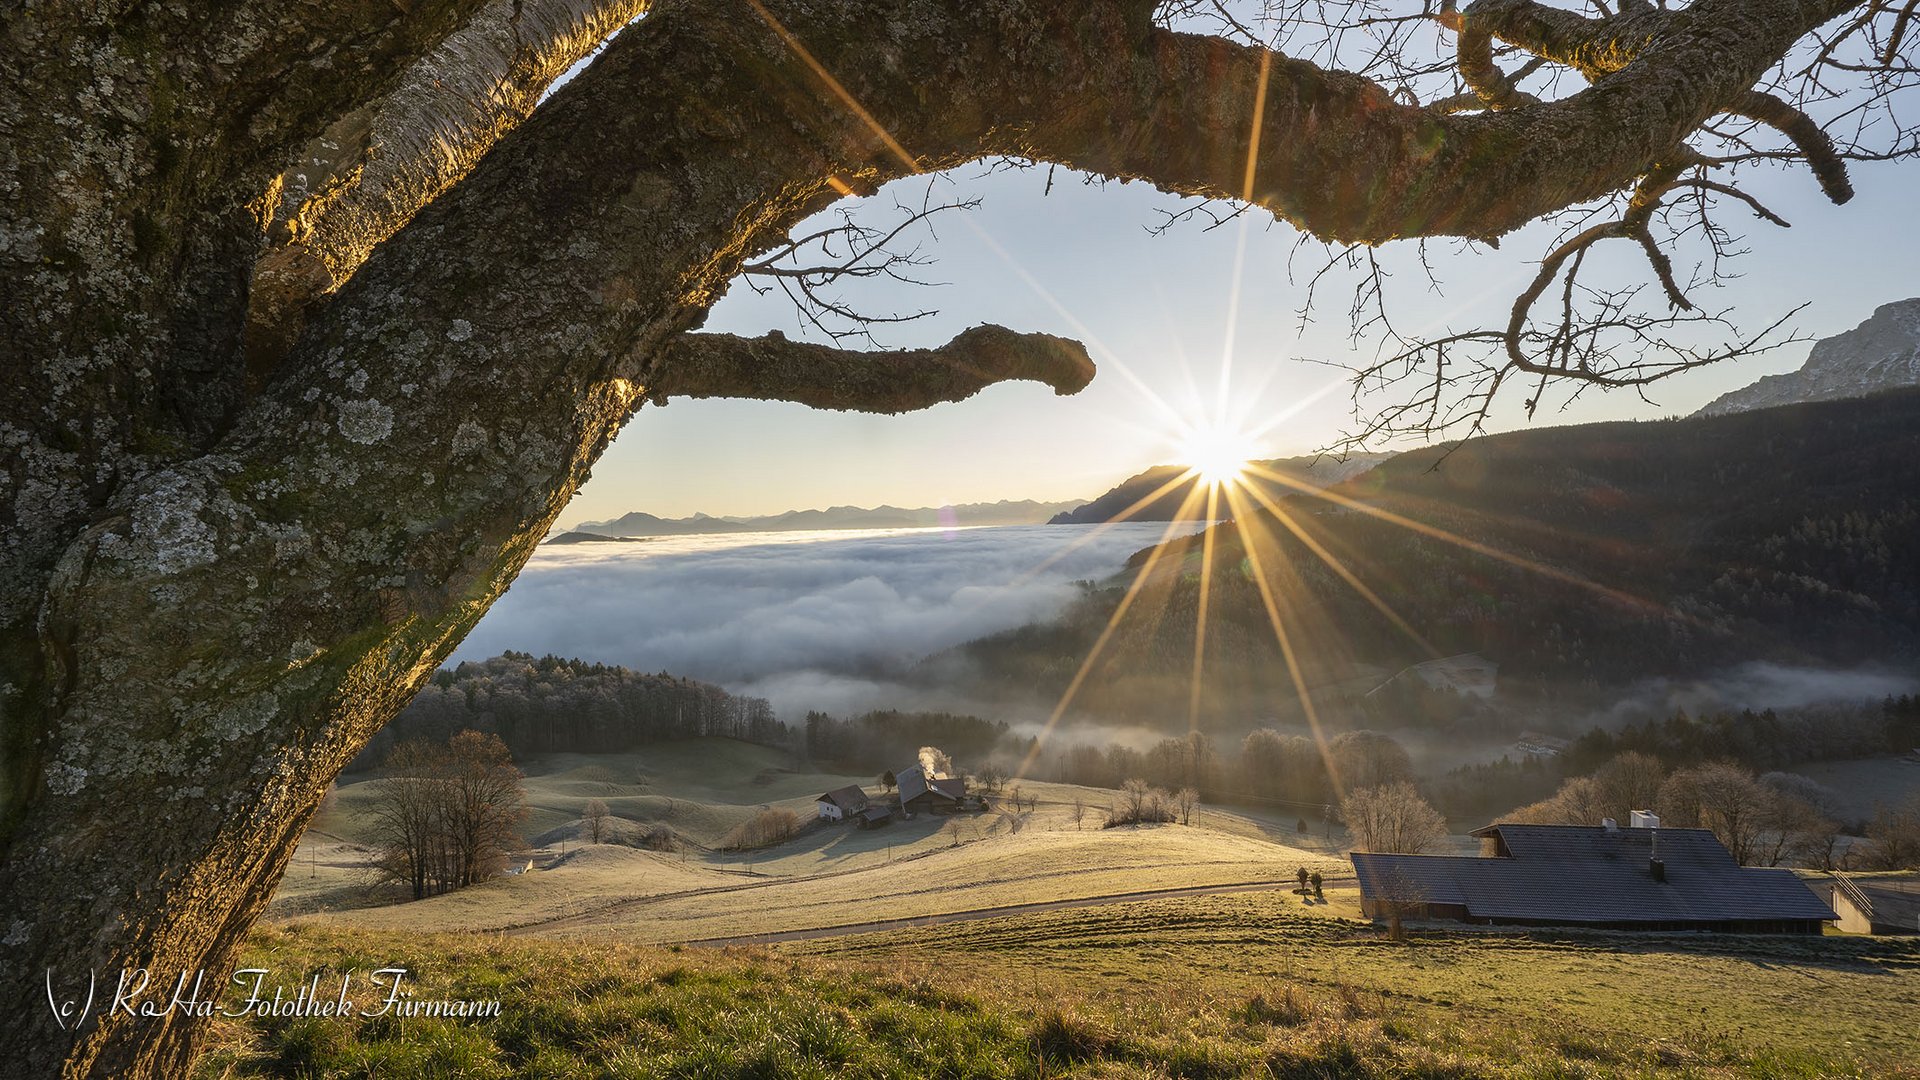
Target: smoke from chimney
{"points": [[935, 763]]}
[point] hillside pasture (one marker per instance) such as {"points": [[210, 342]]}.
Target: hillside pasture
{"points": [[1006, 869], [829, 875], [1684, 995], [1210, 988]]}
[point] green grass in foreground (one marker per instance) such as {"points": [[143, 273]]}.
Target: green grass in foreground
{"points": [[1113, 997]]}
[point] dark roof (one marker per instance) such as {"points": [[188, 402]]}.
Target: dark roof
{"points": [[1589, 874], [913, 784], [877, 813], [951, 786], [849, 799]]}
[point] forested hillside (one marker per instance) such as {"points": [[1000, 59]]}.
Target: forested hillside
{"points": [[1626, 550], [553, 705]]}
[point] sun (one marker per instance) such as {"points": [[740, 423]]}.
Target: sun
{"points": [[1218, 454]]}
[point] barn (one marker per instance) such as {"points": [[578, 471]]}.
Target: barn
{"points": [[938, 795], [1601, 876]]}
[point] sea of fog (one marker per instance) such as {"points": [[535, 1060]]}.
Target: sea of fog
{"points": [[806, 619]]}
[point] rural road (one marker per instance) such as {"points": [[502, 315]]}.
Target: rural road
{"points": [[986, 913]]}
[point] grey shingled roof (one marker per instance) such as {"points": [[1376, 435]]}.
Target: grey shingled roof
{"points": [[1586, 874], [849, 799], [913, 784]]}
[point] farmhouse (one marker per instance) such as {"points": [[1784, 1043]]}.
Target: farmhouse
{"points": [[939, 795], [842, 803], [1535, 745], [1604, 876], [1875, 903]]}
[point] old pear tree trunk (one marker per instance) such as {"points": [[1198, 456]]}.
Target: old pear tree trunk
{"points": [[310, 325]]}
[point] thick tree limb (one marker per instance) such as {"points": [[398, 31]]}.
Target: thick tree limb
{"points": [[1340, 158], [1593, 47], [773, 368], [376, 167], [1812, 142]]}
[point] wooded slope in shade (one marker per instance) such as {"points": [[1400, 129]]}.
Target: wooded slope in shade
{"points": [[1662, 548]]}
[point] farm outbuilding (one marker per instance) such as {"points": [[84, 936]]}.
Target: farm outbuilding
{"points": [[1467, 674], [1600, 876], [1875, 903], [842, 803]]}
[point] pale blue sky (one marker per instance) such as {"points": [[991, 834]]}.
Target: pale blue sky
{"points": [[1079, 262]]}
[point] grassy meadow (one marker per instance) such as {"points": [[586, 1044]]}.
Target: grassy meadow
{"points": [[1249, 985], [830, 875], [588, 956]]}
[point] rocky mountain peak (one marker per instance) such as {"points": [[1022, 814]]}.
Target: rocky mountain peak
{"points": [[1881, 353]]}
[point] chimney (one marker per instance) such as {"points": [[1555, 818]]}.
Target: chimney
{"points": [[1612, 826], [1655, 865], [1641, 819]]}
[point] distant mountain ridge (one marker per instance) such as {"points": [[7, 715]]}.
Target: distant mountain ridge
{"points": [[1882, 353], [1318, 471], [1005, 512]]}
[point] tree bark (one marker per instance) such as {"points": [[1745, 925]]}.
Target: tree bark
{"points": [[212, 597], [772, 368], [368, 174]]}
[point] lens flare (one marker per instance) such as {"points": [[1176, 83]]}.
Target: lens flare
{"points": [[1218, 453]]}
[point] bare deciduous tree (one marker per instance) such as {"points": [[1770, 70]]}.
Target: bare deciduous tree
{"points": [[1724, 798], [1893, 837], [445, 816], [310, 322], [595, 817], [993, 776], [1392, 818], [1397, 898], [769, 826], [1141, 803], [1628, 782], [406, 818]]}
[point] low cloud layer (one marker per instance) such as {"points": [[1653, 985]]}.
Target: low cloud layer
{"points": [[1757, 685], [807, 620]]}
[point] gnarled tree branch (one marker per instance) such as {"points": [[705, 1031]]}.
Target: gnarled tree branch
{"points": [[1342, 159], [773, 368]]}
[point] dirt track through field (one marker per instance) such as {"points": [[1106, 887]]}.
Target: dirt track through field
{"points": [[936, 919]]}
